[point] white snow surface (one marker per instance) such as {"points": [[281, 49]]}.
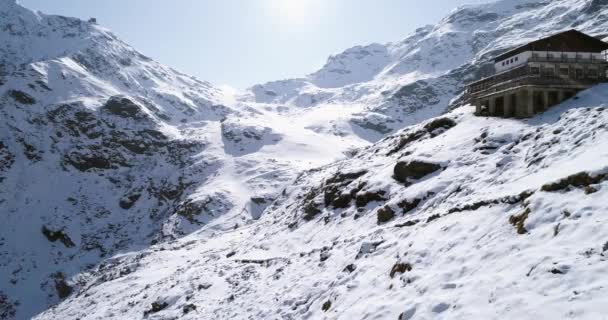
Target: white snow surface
{"points": [[129, 190], [467, 261]]}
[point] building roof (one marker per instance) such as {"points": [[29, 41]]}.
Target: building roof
{"points": [[568, 41]]}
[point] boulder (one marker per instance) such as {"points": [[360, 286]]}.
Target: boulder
{"points": [[414, 169]]}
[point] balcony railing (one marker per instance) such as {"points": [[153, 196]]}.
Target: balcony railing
{"points": [[568, 60], [511, 77]]}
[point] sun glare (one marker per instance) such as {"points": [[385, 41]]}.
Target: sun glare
{"points": [[294, 11]]}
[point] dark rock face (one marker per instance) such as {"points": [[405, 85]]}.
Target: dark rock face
{"points": [[129, 201], [54, 236], [6, 160], [444, 123], [415, 169], [63, 289], [385, 214], [21, 97], [123, 107], [326, 306], [400, 268], [156, 307], [578, 180], [518, 221], [7, 308]]}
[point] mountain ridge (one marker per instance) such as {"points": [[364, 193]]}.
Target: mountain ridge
{"points": [[146, 193]]}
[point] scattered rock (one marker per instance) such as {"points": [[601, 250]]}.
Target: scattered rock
{"points": [[7, 307], [63, 289], [518, 221], [407, 224], [408, 206], [128, 201], [400, 268], [310, 211], [326, 306], [415, 169], [579, 180], [385, 214], [188, 308], [433, 218], [204, 286], [590, 190], [364, 199], [123, 107], [350, 268], [156, 307], [53, 236], [443, 123], [21, 97]]}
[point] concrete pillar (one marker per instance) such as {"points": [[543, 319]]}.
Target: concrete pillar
{"points": [[545, 100], [522, 104], [492, 107], [530, 104], [561, 96], [507, 105]]}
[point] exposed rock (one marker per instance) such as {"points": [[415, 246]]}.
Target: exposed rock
{"points": [[7, 307], [415, 169], [188, 308], [579, 180], [407, 224], [326, 306], [385, 214], [518, 221], [364, 199], [350, 268], [433, 218], [444, 123], [128, 201], [54, 236], [63, 289], [21, 97], [156, 307], [123, 107], [400, 268], [310, 211]]}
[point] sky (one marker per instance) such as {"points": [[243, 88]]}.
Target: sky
{"points": [[245, 42]]}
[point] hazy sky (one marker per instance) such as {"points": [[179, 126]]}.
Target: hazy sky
{"points": [[244, 42]]}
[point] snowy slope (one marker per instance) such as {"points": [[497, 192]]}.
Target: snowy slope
{"points": [[405, 82], [130, 190], [103, 150], [498, 218]]}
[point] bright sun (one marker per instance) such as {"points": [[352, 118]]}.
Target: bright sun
{"points": [[293, 11]]}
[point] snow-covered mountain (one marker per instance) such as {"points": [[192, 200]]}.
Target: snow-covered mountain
{"points": [[129, 190], [405, 82], [459, 217]]}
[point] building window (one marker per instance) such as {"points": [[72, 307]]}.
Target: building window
{"points": [[564, 71], [564, 56], [579, 73], [516, 58], [592, 73], [535, 70], [534, 55]]}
